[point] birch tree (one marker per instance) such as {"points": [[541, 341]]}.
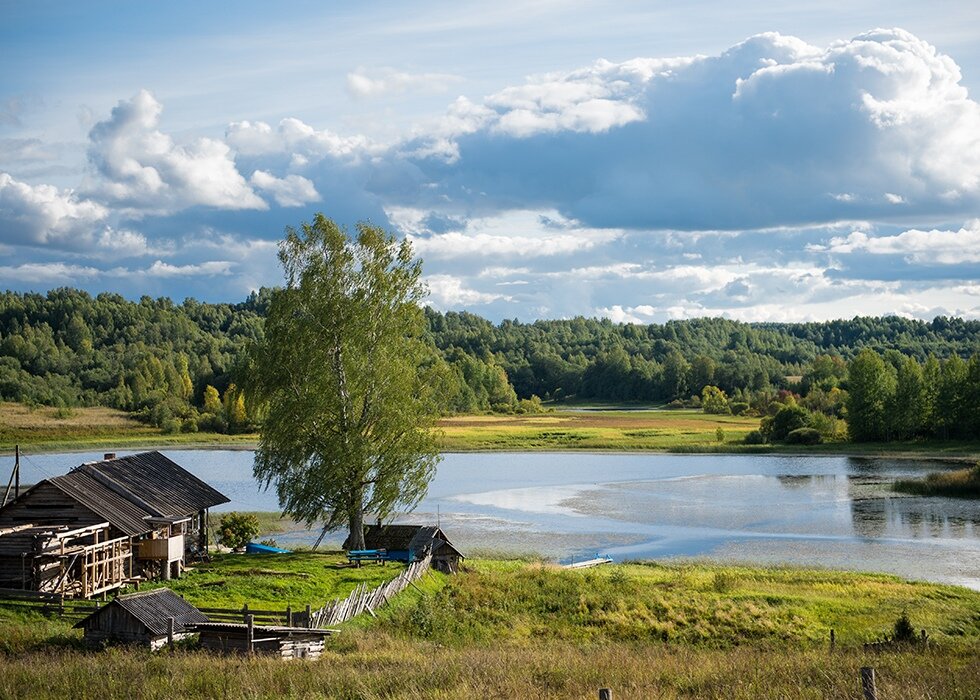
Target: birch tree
{"points": [[344, 369]]}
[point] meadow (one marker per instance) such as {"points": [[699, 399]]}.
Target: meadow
{"points": [[529, 628]]}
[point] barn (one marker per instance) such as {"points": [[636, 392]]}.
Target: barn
{"points": [[142, 618], [247, 638], [410, 543], [139, 516]]}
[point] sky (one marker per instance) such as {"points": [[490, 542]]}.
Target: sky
{"points": [[639, 161]]}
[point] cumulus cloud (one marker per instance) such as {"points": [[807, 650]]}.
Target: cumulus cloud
{"points": [[943, 247], [295, 137], [210, 268], [385, 81], [42, 214], [753, 138], [448, 292], [54, 273], [289, 191], [143, 168]]}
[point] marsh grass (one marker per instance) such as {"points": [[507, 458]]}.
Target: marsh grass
{"points": [[959, 483]]}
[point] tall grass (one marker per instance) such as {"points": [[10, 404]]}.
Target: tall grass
{"points": [[960, 483]]}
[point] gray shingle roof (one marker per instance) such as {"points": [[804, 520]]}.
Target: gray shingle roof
{"points": [[153, 608], [126, 490]]}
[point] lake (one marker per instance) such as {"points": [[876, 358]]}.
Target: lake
{"points": [[831, 511]]}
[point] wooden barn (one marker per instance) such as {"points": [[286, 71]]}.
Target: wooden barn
{"points": [[410, 543], [139, 516], [142, 618], [247, 638]]}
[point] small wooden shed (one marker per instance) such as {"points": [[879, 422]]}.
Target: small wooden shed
{"points": [[284, 642], [410, 543], [142, 618]]}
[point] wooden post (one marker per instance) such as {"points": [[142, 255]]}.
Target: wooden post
{"points": [[833, 640], [170, 634], [289, 616], [605, 694], [245, 612], [309, 616], [868, 683], [249, 632], [17, 471]]}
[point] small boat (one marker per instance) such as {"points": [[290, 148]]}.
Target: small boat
{"points": [[256, 548]]}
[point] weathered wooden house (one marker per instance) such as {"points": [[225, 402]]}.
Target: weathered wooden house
{"points": [[142, 618], [284, 642], [410, 543], [138, 516]]}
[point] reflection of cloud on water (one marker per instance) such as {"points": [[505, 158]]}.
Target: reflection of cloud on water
{"points": [[549, 500], [915, 518]]}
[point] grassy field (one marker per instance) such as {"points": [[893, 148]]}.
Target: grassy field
{"points": [[518, 629], [594, 430], [47, 429]]}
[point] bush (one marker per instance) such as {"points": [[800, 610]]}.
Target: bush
{"points": [[804, 436], [739, 407], [903, 631], [754, 437], [235, 530]]}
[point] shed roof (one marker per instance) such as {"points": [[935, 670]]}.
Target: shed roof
{"points": [[153, 608], [414, 538], [127, 490]]}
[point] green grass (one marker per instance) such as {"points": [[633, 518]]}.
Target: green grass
{"points": [[273, 581], [519, 629], [959, 483]]}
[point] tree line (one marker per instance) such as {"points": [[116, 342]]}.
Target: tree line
{"points": [[180, 366]]}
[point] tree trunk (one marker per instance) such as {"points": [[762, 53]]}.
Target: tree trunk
{"points": [[356, 520]]}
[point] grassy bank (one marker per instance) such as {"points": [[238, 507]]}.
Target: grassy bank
{"points": [[514, 629], [958, 483]]}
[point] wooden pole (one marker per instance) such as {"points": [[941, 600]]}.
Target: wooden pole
{"points": [[17, 471], [289, 616], [309, 616], [170, 634], [605, 694], [833, 640], [245, 612], [868, 683], [250, 632]]}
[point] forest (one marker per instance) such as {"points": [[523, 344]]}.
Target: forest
{"points": [[184, 367]]}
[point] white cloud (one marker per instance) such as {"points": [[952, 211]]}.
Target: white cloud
{"points": [[210, 269], [944, 247], [290, 191], [448, 292], [386, 81], [42, 214], [895, 198], [143, 168], [54, 274], [295, 137]]}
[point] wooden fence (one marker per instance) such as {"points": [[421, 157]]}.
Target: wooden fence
{"points": [[340, 610]]}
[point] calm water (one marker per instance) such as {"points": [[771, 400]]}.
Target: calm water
{"points": [[828, 511]]}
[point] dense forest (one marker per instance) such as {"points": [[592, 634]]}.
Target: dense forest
{"points": [[183, 366]]}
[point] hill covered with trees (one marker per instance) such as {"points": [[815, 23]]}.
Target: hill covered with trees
{"points": [[183, 366]]}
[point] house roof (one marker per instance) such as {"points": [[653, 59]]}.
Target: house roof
{"points": [[153, 608], [127, 490], [414, 538]]}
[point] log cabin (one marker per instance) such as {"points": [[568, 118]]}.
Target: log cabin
{"points": [[104, 524], [410, 543], [142, 619]]}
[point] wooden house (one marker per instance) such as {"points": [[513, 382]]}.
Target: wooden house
{"points": [[247, 638], [152, 511], [150, 618], [410, 543]]}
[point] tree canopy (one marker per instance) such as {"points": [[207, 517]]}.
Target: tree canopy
{"points": [[346, 374]]}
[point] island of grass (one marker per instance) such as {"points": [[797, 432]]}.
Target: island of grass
{"points": [[956, 483], [533, 629]]}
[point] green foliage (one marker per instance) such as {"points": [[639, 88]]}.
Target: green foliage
{"points": [[235, 530], [754, 437], [871, 386], [787, 419], [902, 630], [803, 436], [345, 370]]}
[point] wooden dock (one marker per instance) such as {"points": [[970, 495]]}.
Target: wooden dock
{"points": [[588, 564]]}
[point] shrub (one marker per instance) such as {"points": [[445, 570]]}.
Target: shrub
{"points": [[235, 530], [903, 631], [804, 436], [755, 437], [739, 407]]}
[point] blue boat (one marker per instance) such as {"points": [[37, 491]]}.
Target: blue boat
{"points": [[256, 548]]}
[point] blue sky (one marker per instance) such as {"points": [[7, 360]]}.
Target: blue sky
{"points": [[638, 161]]}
